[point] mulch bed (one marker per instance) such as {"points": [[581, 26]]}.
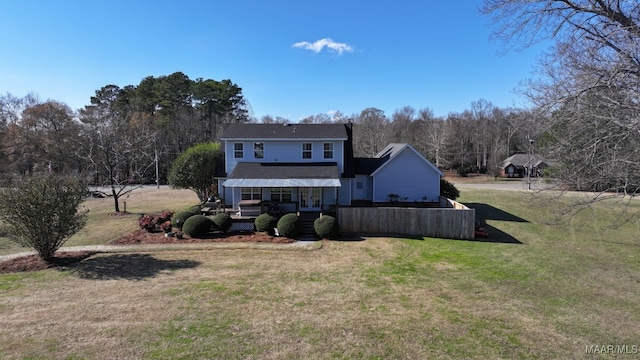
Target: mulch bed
{"points": [[35, 263], [65, 258]]}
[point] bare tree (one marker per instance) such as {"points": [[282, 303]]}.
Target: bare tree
{"points": [[588, 91], [119, 149], [370, 132]]}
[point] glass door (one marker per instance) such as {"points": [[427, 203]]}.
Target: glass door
{"points": [[310, 199]]}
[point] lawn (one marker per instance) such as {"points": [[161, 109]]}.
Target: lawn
{"points": [[102, 226], [537, 289]]}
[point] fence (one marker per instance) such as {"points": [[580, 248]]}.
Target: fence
{"points": [[455, 221]]}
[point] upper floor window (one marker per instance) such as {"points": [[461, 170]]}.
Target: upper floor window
{"points": [[258, 150], [328, 150], [306, 150], [238, 150]]}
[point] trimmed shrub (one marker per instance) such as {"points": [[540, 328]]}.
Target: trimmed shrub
{"points": [[266, 222], [194, 209], [178, 219], [290, 226], [223, 222], [326, 227], [197, 226]]}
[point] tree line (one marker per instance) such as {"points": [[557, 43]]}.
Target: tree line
{"points": [[123, 131], [584, 114]]}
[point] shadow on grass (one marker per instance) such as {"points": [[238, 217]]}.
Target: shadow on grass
{"points": [[127, 267], [488, 212], [497, 236]]}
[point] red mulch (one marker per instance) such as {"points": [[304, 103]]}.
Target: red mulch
{"points": [[141, 236], [64, 258]]}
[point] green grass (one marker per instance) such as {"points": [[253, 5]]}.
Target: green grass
{"points": [[537, 288]]}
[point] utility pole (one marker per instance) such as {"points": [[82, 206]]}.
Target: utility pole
{"points": [[155, 150], [529, 166]]}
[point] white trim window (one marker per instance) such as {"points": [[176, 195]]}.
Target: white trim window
{"points": [[307, 150], [238, 150], [258, 150], [281, 194], [328, 150], [251, 193]]}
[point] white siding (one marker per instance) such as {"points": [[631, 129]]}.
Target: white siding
{"points": [[408, 176]]}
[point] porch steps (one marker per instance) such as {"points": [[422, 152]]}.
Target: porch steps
{"points": [[308, 232]]}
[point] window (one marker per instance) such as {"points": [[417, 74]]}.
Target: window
{"points": [[306, 150], [281, 194], [238, 150], [359, 185], [258, 150], [251, 193], [328, 150]]}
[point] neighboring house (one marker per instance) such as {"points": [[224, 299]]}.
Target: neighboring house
{"points": [[518, 165], [310, 167]]}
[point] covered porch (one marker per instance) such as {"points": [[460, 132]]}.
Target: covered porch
{"points": [[280, 188]]}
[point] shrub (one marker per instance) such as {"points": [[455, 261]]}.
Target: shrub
{"points": [[148, 222], [166, 226], [464, 170], [197, 226], [290, 226], [165, 216], [326, 227], [266, 222], [42, 212], [178, 219], [223, 222], [448, 190], [194, 209]]}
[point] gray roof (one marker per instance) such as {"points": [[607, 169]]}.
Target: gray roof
{"points": [[366, 166], [285, 131], [255, 170], [391, 150], [522, 160]]}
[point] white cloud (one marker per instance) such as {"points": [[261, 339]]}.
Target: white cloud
{"points": [[322, 43]]}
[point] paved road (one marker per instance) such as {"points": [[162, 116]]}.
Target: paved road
{"points": [[523, 184]]}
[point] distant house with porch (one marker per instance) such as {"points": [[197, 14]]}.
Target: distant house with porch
{"points": [[519, 165], [311, 168]]}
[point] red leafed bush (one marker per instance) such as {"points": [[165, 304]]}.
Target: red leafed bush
{"points": [[166, 226], [148, 222]]}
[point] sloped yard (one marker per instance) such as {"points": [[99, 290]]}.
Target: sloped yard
{"points": [[552, 293]]}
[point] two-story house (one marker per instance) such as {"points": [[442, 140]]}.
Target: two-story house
{"points": [[311, 167]]}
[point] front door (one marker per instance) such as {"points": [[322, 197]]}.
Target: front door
{"points": [[310, 199]]}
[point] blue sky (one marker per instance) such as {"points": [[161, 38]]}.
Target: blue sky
{"points": [[383, 54]]}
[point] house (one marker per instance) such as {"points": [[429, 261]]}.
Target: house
{"points": [[311, 168], [518, 165]]}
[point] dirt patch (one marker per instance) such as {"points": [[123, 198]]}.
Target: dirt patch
{"points": [[65, 258], [34, 262]]}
